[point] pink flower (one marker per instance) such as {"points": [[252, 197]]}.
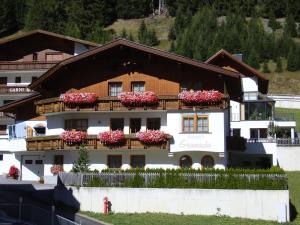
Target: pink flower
{"points": [[112, 137], [139, 98], [152, 136], [56, 169], [79, 98], [13, 172], [196, 97], [73, 137]]}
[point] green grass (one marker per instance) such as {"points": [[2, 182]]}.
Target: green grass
{"points": [[296, 113], [169, 219]]}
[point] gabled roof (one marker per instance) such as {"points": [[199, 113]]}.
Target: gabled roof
{"points": [[15, 46], [132, 45], [224, 59]]}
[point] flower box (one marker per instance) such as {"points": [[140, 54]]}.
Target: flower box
{"points": [[152, 137], [200, 97], [112, 137], [79, 98], [73, 137], [147, 98]]}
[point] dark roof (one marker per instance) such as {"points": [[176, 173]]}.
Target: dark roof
{"points": [[224, 58], [9, 107], [16, 46], [123, 42]]}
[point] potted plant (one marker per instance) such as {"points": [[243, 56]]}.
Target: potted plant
{"points": [[200, 97], [73, 137], [132, 99], [152, 137], [112, 137], [13, 172], [55, 169]]}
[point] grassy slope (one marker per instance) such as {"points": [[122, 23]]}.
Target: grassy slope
{"points": [[296, 113]]}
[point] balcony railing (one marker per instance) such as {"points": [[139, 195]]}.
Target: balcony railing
{"points": [[54, 105], [14, 89], [54, 142], [30, 65], [288, 142]]}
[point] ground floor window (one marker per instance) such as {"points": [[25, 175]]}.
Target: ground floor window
{"points": [[258, 133], [185, 161], [3, 129], [114, 161], [137, 161], [207, 162], [58, 160]]}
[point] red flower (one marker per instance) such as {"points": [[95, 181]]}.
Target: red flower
{"points": [[196, 97], [138, 98], [73, 137], [112, 137], [152, 136], [13, 172], [55, 169], [79, 98]]}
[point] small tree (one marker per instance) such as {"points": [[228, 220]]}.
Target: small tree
{"points": [[292, 60], [272, 21], [142, 32], [83, 162], [290, 26], [266, 68], [253, 59], [124, 33], [278, 65], [131, 38]]}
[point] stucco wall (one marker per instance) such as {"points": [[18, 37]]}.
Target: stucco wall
{"points": [[288, 158], [253, 204]]}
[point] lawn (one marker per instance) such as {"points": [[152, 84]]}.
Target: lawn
{"points": [[296, 113], [168, 219]]}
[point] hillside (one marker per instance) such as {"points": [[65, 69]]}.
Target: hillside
{"points": [[280, 83]]}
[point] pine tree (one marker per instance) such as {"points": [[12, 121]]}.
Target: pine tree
{"points": [[292, 60], [151, 38], [83, 162], [131, 38], [100, 35], [253, 59], [266, 68], [278, 65], [290, 26], [272, 21], [172, 47], [124, 33], [142, 32]]}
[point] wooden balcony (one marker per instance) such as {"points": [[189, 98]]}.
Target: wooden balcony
{"points": [[55, 105], [54, 142], [4, 89], [30, 65]]}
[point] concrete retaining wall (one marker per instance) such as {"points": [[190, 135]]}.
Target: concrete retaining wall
{"points": [[288, 158], [252, 204]]}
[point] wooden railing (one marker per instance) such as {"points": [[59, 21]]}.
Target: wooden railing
{"points": [[54, 105], [54, 142], [30, 65], [14, 89]]}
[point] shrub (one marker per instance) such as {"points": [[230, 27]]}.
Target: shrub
{"points": [[96, 182]]}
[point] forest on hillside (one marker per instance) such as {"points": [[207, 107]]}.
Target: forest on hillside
{"points": [[201, 27]]}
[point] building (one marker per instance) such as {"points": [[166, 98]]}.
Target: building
{"points": [[198, 135]]}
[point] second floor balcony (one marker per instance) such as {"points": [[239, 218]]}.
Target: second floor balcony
{"points": [[29, 65], [56, 105]]}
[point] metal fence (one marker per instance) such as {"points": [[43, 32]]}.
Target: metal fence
{"points": [[288, 142], [117, 179]]}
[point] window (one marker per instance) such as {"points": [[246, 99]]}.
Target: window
{"points": [[207, 162], [40, 129], [38, 162], [117, 124], [195, 124], [258, 110], [28, 161], [114, 161], [34, 56], [7, 101], [3, 129], [114, 88], [258, 133], [137, 161], [76, 124], [58, 160], [153, 124], [54, 56], [3, 80], [135, 125], [236, 132], [138, 86], [33, 78], [17, 80], [185, 161], [190, 85], [1, 157]]}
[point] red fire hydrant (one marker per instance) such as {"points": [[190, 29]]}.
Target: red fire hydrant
{"points": [[105, 205]]}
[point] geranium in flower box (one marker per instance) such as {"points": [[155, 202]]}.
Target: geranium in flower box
{"points": [[112, 137], [152, 137], [79, 98], [73, 137], [147, 98], [55, 169], [13, 172], [200, 97]]}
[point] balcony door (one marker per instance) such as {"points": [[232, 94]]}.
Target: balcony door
{"points": [[135, 125]]}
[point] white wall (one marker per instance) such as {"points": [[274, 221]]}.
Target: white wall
{"points": [[249, 84], [286, 101], [288, 158], [251, 204]]}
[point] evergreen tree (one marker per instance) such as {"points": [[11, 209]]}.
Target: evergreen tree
{"points": [[290, 26], [278, 65], [100, 35], [266, 68], [83, 162], [253, 59], [142, 32], [172, 47], [131, 38], [8, 19], [151, 38], [272, 21], [292, 60], [124, 33]]}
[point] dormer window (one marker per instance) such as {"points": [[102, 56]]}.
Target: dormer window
{"points": [[138, 86]]}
